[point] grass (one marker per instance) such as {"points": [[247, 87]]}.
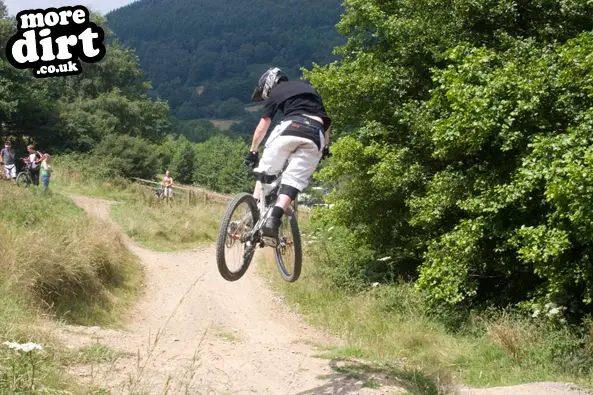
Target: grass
{"points": [[385, 326], [27, 372], [55, 262], [169, 227], [96, 353], [226, 334], [62, 261], [154, 224], [117, 189], [223, 124]]}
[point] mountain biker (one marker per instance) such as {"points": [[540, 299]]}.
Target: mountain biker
{"points": [[302, 138]]}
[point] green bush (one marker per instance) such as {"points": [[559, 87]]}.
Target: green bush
{"points": [[464, 148], [219, 165], [129, 156], [339, 255]]}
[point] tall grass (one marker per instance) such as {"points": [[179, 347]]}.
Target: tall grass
{"points": [[385, 324], [168, 226], [156, 224], [54, 261], [90, 175], [58, 259]]}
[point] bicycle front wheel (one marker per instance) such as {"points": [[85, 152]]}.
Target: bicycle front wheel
{"points": [[233, 252], [23, 180], [289, 255]]}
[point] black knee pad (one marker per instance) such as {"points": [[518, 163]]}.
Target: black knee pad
{"points": [[289, 191], [266, 178]]}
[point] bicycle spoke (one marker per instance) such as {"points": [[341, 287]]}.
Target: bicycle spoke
{"points": [[235, 250], [234, 245]]}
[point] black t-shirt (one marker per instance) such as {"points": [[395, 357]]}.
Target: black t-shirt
{"points": [[295, 98]]}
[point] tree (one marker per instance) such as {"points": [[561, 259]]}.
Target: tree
{"points": [[220, 165], [76, 112], [128, 156], [445, 111], [202, 54], [183, 163]]}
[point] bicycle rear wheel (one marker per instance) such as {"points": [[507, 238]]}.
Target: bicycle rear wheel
{"points": [[289, 254], [23, 180], [233, 253]]}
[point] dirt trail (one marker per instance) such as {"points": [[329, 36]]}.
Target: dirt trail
{"points": [[193, 332]]}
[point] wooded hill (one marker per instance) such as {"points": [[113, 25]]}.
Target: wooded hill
{"points": [[205, 56]]}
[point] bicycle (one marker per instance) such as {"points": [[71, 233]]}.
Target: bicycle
{"points": [[158, 192], [23, 178], [243, 229]]}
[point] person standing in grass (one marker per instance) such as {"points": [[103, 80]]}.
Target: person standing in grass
{"points": [[45, 171], [7, 157], [168, 185], [34, 159]]}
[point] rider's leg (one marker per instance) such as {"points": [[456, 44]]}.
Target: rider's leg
{"points": [[283, 201], [257, 190], [274, 157], [276, 152], [301, 165]]}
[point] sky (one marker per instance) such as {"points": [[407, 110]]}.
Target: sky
{"points": [[103, 6]]}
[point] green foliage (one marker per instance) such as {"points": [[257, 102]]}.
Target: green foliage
{"points": [[341, 257], [528, 181], [76, 112], [219, 165], [128, 156], [465, 149], [204, 57], [196, 130], [183, 163]]}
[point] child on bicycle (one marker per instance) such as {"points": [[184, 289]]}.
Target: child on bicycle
{"points": [[302, 138]]}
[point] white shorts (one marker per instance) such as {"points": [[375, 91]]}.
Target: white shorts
{"points": [[168, 192], [10, 171], [302, 155]]}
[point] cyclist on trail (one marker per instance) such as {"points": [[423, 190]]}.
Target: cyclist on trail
{"points": [[7, 157], [302, 138]]}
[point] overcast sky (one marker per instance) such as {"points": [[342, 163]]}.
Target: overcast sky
{"points": [[103, 6]]}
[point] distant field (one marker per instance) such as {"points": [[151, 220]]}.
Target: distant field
{"points": [[254, 108], [223, 124]]}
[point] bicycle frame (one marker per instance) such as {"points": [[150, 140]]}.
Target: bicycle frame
{"points": [[265, 189], [265, 210], [241, 229]]}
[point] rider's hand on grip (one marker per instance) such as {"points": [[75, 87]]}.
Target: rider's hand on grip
{"points": [[252, 159], [326, 154]]}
